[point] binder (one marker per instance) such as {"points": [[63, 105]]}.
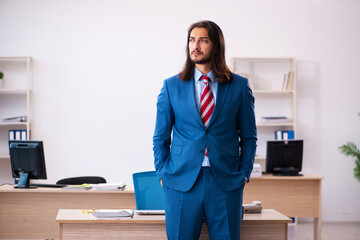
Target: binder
{"points": [[17, 134], [278, 135], [23, 135], [284, 135], [11, 134], [291, 134]]}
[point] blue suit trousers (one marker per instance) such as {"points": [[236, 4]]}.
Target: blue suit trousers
{"points": [[185, 210]]}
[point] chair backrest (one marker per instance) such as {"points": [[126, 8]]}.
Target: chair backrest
{"points": [[81, 180], [149, 195]]}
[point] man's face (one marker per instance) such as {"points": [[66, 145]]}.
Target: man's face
{"points": [[200, 46]]}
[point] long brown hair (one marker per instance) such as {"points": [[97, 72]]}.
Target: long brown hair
{"points": [[219, 67]]}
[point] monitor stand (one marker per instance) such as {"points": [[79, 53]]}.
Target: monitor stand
{"points": [[24, 181], [286, 172]]}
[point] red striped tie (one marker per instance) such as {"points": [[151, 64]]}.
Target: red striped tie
{"points": [[207, 103]]}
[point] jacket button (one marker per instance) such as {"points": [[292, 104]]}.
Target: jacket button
{"points": [[206, 132]]}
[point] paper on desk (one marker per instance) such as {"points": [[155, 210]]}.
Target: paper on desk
{"points": [[108, 186], [257, 171], [113, 213], [77, 187]]}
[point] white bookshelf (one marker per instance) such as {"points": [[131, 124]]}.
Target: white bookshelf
{"points": [[15, 98], [266, 76]]}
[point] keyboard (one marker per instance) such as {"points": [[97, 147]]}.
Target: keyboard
{"points": [[49, 185]]}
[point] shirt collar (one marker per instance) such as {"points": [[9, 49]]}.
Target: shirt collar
{"points": [[198, 74]]}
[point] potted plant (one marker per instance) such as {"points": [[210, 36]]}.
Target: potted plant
{"points": [[1, 78], [350, 149]]}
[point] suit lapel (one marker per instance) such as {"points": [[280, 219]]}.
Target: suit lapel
{"points": [[189, 92], [220, 99]]}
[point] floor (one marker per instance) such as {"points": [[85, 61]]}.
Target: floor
{"points": [[330, 231]]}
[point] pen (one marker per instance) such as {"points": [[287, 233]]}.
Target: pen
{"points": [[88, 211]]}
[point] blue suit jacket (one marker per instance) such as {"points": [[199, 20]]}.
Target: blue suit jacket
{"points": [[230, 136]]}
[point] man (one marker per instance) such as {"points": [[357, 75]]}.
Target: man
{"points": [[205, 114]]}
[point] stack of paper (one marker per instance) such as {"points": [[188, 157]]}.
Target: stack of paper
{"points": [[77, 187], [112, 213], [109, 186], [256, 172], [275, 119], [15, 119]]}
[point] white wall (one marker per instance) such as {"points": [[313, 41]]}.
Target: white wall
{"points": [[99, 65]]}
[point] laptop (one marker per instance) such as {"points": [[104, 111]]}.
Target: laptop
{"points": [[149, 194]]}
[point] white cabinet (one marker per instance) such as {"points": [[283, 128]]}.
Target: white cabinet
{"points": [[272, 98], [15, 98]]}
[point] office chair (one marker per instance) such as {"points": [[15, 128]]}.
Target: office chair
{"points": [[149, 195], [81, 180]]}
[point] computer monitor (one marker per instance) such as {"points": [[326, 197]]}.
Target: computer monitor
{"points": [[27, 161], [284, 157]]}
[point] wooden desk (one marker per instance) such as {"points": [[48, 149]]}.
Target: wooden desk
{"points": [[296, 196], [31, 213], [74, 225]]}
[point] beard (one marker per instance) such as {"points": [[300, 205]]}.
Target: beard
{"points": [[203, 60]]}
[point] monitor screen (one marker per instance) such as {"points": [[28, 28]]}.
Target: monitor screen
{"points": [[284, 157], [27, 161]]}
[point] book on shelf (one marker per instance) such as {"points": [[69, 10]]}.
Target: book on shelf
{"points": [[15, 119], [275, 119], [284, 135], [284, 82], [245, 75], [287, 81]]}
